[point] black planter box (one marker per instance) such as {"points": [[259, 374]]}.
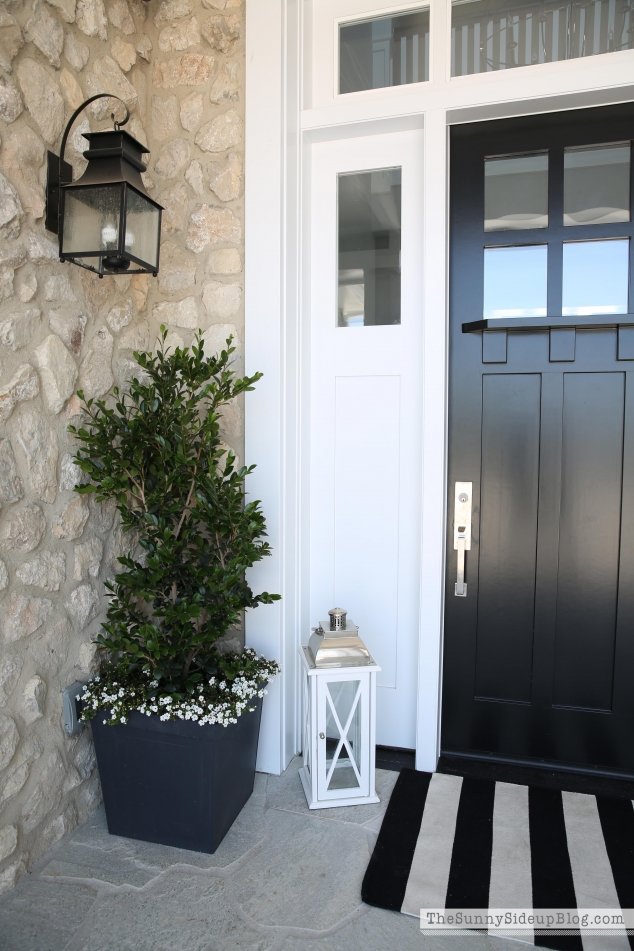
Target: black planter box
{"points": [[175, 782]]}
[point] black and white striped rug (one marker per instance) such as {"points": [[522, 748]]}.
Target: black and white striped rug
{"points": [[459, 842]]}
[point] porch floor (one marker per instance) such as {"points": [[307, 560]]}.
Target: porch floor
{"points": [[284, 879]]}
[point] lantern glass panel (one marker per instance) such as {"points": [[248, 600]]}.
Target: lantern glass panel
{"points": [[91, 219], [343, 734], [142, 228]]}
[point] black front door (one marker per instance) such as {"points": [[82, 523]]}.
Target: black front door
{"points": [[539, 647]]}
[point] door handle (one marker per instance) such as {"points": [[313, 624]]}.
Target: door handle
{"points": [[462, 532]]}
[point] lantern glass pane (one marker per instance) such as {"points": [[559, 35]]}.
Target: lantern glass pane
{"points": [[343, 734], [142, 228], [91, 219]]}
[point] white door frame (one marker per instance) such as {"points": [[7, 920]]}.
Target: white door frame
{"points": [[278, 137]]}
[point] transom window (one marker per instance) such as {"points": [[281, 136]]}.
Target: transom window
{"points": [[385, 51]]}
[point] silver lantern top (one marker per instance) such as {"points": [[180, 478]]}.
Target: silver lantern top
{"points": [[336, 643]]}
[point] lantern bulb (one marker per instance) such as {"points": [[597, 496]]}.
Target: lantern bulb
{"points": [[109, 235]]}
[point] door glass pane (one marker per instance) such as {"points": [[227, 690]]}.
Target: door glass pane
{"points": [[515, 281], [343, 704], [369, 238], [597, 185], [516, 192], [595, 277], [389, 51], [488, 35]]}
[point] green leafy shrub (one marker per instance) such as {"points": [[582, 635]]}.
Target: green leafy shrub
{"points": [[158, 452]]}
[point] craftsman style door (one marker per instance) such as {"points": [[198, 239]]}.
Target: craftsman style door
{"points": [[539, 636]]}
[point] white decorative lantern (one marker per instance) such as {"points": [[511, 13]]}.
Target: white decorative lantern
{"points": [[340, 716]]}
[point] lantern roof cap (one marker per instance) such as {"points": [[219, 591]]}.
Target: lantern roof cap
{"points": [[338, 647]]}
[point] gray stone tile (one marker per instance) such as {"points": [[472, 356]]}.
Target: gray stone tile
{"points": [[307, 874], [42, 916], [379, 930], [184, 911], [286, 792]]}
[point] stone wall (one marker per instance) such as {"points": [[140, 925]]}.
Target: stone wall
{"points": [[179, 65]]}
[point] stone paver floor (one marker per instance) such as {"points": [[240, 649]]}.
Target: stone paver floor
{"points": [[284, 879]]}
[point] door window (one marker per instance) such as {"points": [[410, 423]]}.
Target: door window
{"points": [[515, 281], [516, 192], [369, 241], [595, 277], [597, 184], [385, 51]]}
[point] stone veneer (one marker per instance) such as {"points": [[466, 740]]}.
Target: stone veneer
{"points": [[179, 65]]}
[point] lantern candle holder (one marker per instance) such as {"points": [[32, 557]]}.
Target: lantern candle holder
{"points": [[339, 678], [106, 221]]}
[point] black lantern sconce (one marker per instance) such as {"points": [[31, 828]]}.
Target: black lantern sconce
{"points": [[106, 221]]}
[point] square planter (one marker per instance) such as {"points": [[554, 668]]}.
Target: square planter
{"points": [[175, 782]]}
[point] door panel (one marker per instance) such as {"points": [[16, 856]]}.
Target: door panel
{"points": [[539, 657]]}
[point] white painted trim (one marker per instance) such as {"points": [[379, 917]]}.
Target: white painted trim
{"points": [[278, 138]]}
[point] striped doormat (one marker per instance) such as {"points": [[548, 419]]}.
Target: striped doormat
{"points": [[460, 842]]}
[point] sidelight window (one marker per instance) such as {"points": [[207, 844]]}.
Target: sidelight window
{"points": [[386, 51], [489, 35], [369, 239]]}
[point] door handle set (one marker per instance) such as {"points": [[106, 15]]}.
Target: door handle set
{"points": [[462, 532]]}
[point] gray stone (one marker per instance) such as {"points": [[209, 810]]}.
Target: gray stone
{"points": [[102, 514], [47, 570], [222, 32], [88, 559], [120, 316], [226, 85], [4, 576], [69, 326], [183, 313], [222, 133], [16, 330], [140, 287], [65, 8], [190, 69], [9, 738], [95, 372], [58, 372], [10, 210], [173, 10], [194, 176], [91, 18], [10, 100], [211, 225], [76, 51], [191, 111], [33, 697], [8, 841], [10, 875], [11, 488], [47, 794], [222, 300], [74, 97], [120, 16], [23, 531], [23, 157], [128, 370], [11, 40], [124, 54], [57, 287], [225, 178], [215, 338], [144, 47], [175, 201], [70, 474], [178, 269], [28, 288], [39, 444], [70, 523], [107, 77], [50, 647], [42, 97], [46, 32], [224, 261], [137, 337], [10, 669], [173, 158], [24, 385], [41, 250], [83, 604], [24, 615], [84, 758], [164, 117], [179, 36], [28, 752]]}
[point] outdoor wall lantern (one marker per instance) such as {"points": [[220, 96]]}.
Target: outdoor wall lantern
{"points": [[106, 221], [340, 716]]}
